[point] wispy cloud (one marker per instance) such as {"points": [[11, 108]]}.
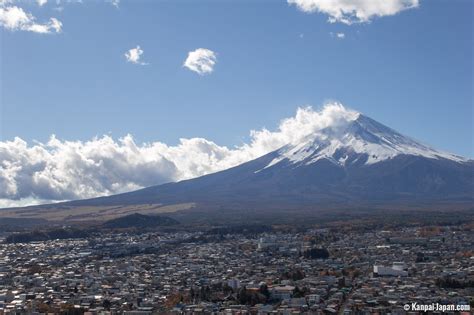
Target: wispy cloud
{"points": [[338, 35], [63, 170], [115, 3], [14, 18], [134, 56], [41, 2], [354, 11], [201, 61]]}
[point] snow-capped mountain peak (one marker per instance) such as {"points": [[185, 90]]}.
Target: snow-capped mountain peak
{"points": [[361, 162], [361, 140]]}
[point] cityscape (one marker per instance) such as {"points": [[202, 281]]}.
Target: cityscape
{"points": [[249, 270]]}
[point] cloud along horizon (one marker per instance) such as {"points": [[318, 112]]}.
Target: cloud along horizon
{"points": [[65, 170]]}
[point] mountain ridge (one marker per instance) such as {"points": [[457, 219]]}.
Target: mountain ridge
{"points": [[362, 135], [355, 160]]}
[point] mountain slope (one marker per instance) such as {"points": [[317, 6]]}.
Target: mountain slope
{"points": [[363, 136], [137, 220], [359, 160]]}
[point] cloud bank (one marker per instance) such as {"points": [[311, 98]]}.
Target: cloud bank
{"points": [[14, 18], [65, 170], [201, 61], [354, 11]]}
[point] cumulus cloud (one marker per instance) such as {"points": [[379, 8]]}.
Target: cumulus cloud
{"points": [[14, 18], [134, 56], [41, 2], [201, 61], [65, 170], [354, 11]]}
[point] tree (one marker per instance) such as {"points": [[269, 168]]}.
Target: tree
{"points": [[242, 296], [316, 253], [106, 304], [264, 290], [295, 275]]}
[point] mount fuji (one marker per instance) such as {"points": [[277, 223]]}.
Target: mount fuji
{"points": [[350, 162]]}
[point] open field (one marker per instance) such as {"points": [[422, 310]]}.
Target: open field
{"points": [[88, 213], [257, 212]]}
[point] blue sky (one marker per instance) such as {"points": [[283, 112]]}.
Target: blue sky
{"points": [[412, 71]]}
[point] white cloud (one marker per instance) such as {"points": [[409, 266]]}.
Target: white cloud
{"points": [[8, 203], [58, 2], [201, 60], [354, 11], [14, 18], [337, 35], [53, 25], [115, 3], [134, 55], [41, 2], [64, 170]]}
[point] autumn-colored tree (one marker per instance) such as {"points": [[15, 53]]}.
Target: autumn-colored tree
{"points": [[173, 299]]}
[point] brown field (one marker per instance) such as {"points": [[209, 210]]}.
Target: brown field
{"points": [[89, 213]]}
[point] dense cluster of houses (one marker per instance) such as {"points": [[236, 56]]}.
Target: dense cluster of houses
{"points": [[194, 273]]}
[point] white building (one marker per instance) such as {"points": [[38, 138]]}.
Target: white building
{"points": [[233, 283], [397, 270]]}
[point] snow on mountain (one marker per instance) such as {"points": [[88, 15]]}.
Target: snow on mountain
{"points": [[333, 158], [358, 139]]}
